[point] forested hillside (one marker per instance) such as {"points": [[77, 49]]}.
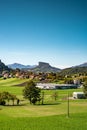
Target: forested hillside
{"points": [[75, 70], [3, 67]]}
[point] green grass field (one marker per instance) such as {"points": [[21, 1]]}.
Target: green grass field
{"points": [[50, 116], [58, 122]]}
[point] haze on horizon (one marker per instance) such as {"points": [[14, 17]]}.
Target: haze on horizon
{"points": [[52, 31]]}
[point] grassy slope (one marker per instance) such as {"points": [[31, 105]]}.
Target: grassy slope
{"points": [[9, 85], [51, 116]]}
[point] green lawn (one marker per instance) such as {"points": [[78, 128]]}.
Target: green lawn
{"points": [[58, 122], [50, 116]]}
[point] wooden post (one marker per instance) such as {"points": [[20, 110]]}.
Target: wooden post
{"points": [[68, 105], [42, 98]]}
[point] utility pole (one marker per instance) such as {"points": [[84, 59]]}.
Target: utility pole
{"points": [[42, 98], [68, 105]]}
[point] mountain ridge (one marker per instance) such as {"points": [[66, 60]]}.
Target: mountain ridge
{"points": [[20, 66], [83, 65], [45, 67]]}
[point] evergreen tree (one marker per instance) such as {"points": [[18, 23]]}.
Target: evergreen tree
{"points": [[31, 92]]}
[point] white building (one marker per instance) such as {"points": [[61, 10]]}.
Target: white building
{"points": [[56, 86], [78, 95]]}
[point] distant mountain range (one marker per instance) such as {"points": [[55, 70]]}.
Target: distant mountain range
{"points": [[46, 67], [42, 67], [20, 66]]}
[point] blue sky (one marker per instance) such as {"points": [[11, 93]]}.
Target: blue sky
{"points": [[53, 31]]}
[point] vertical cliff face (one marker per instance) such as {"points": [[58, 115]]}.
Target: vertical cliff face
{"points": [[43, 64]]}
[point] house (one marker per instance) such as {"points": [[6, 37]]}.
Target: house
{"points": [[5, 74], [76, 81], [78, 95]]}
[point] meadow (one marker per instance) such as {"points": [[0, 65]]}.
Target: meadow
{"points": [[52, 115]]}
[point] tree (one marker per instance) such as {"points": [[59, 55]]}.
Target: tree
{"points": [[68, 81], [7, 96], [85, 88], [55, 95], [13, 98], [31, 92], [2, 101]]}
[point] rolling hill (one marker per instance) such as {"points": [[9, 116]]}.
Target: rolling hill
{"points": [[74, 70]]}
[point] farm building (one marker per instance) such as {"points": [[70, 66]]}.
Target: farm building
{"points": [[78, 95], [56, 86]]}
